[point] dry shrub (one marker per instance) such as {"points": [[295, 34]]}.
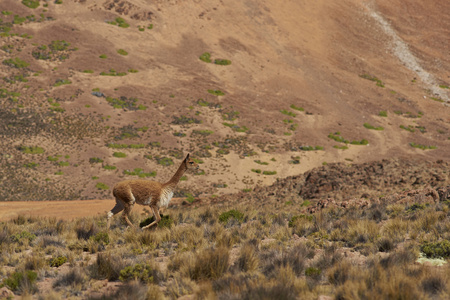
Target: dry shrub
{"points": [[85, 230], [434, 284], [328, 258], [248, 260], [179, 286], [374, 283], [133, 290], [340, 273], [232, 286], [385, 244], [294, 257], [395, 229], [362, 231], [108, 265], [303, 226], [153, 238], [188, 236], [73, 278], [399, 258], [35, 262], [208, 216], [210, 264]]}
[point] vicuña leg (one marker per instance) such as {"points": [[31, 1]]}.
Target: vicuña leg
{"points": [[126, 213], [155, 211], [116, 209]]}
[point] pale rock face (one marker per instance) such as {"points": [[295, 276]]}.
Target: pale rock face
{"points": [[166, 196]]}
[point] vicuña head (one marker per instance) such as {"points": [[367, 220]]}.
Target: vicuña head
{"points": [[146, 192]]}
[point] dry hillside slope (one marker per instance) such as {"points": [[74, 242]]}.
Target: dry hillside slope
{"points": [[97, 91]]}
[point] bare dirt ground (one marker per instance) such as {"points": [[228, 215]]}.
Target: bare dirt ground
{"points": [[64, 210]]}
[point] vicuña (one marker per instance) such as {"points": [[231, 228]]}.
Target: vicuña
{"points": [[146, 192]]}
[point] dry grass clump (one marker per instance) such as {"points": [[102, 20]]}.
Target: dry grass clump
{"points": [[210, 263], [108, 266]]}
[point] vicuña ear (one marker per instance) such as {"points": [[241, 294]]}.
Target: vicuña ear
{"points": [[187, 156]]}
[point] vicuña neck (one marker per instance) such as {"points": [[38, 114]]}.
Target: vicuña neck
{"points": [[172, 183]]}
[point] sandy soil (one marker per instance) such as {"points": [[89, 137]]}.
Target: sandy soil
{"points": [[65, 210]]}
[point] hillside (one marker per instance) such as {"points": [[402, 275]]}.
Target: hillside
{"points": [[93, 92]]}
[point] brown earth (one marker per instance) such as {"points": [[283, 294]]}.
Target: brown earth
{"points": [[316, 55]]}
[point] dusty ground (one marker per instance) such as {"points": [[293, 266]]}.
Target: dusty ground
{"points": [[64, 210], [284, 55]]}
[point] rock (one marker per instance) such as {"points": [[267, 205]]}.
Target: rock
{"points": [[98, 94], [6, 293]]}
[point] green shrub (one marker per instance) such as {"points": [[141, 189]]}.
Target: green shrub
{"points": [[60, 82], [423, 147], [234, 214], [119, 154], [31, 149], [362, 142], [142, 272], [58, 261], [31, 3], [24, 235], [139, 172], [372, 78], [437, 249], [311, 148], [269, 172], [409, 128], [94, 160], [102, 186], [164, 161], [19, 280], [122, 52], [261, 162], [206, 57], [101, 238], [16, 63], [287, 113], [103, 56], [368, 126], [165, 222], [258, 171], [313, 272], [382, 113], [202, 132], [222, 62], [109, 167], [297, 108], [216, 92], [125, 146], [31, 165], [59, 45]]}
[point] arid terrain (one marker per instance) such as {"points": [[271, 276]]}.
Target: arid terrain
{"points": [[322, 131], [97, 91]]}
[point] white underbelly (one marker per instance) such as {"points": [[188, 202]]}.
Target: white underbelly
{"points": [[166, 196]]}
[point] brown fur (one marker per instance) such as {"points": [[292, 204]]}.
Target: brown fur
{"points": [[146, 192]]}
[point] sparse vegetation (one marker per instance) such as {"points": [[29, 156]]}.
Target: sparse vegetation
{"points": [[423, 147], [372, 78], [222, 62], [119, 22], [368, 126], [216, 92], [122, 52], [383, 113], [206, 57]]}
